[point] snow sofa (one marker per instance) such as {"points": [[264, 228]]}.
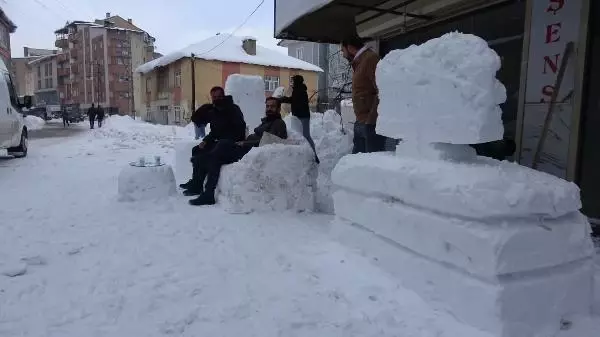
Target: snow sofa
{"points": [[501, 247], [276, 176]]}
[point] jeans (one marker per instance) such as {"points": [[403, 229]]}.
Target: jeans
{"points": [[306, 133], [366, 140], [200, 131], [92, 119]]}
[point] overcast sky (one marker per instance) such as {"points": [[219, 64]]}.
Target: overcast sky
{"points": [[174, 23]]}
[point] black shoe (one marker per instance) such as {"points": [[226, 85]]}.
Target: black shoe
{"points": [[187, 185], [191, 192], [204, 199], [317, 160]]}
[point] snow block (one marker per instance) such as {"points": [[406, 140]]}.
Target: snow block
{"points": [[183, 154], [248, 93], [485, 189], [274, 177], [489, 251], [146, 183], [524, 305], [444, 91]]}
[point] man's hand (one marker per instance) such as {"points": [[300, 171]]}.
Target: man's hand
{"points": [[240, 143], [202, 145]]}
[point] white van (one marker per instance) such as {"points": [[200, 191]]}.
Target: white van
{"points": [[13, 132]]}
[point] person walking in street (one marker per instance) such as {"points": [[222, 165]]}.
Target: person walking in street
{"points": [[100, 115], [228, 151], [65, 117], [226, 123], [300, 108], [92, 115], [364, 95]]}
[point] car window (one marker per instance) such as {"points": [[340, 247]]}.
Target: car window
{"points": [[14, 100]]}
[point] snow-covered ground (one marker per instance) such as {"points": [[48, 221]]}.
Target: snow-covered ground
{"points": [[84, 264], [34, 122]]}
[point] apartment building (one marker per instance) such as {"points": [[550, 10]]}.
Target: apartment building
{"points": [[43, 74], [97, 62], [22, 72], [6, 28]]}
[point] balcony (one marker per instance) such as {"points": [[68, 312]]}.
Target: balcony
{"points": [[61, 41], [62, 58], [63, 71], [74, 37]]}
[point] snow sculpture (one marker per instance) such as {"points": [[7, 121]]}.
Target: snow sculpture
{"points": [[146, 181], [274, 177], [248, 92], [183, 155], [502, 247]]}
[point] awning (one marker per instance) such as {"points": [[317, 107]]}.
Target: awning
{"points": [[330, 21]]}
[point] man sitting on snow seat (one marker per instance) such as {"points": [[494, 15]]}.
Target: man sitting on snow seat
{"points": [[228, 151], [226, 123]]}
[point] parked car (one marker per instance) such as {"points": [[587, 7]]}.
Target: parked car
{"points": [[13, 132]]}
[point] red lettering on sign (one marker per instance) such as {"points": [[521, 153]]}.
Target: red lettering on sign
{"points": [[552, 31], [555, 5], [547, 92], [553, 64]]}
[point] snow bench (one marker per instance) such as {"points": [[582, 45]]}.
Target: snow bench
{"points": [[274, 177]]}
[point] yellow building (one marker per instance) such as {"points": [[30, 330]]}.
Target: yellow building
{"points": [[165, 92]]}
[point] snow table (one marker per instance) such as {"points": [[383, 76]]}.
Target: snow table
{"points": [[144, 180]]}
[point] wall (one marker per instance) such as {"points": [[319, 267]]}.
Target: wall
{"points": [[21, 71], [138, 57], [5, 44]]}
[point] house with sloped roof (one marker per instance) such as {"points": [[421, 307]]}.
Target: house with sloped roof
{"points": [[166, 92]]}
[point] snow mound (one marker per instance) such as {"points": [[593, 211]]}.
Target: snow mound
{"points": [[34, 122], [274, 177], [488, 189], [129, 133], [248, 93], [332, 144], [146, 183], [448, 92]]}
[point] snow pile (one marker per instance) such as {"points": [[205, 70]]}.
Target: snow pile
{"points": [[332, 144], [248, 93], [129, 133], [501, 247], [448, 91], [230, 50], [274, 177], [146, 183], [34, 122]]}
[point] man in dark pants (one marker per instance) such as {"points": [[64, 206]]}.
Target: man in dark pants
{"points": [[364, 95], [226, 123], [65, 117], [228, 151], [100, 115], [92, 115]]}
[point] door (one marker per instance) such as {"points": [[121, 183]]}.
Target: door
{"points": [[16, 118], [5, 118], [589, 155]]}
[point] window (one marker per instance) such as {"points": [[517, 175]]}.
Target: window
{"points": [[271, 83], [300, 53], [39, 84], [39, 71], [120, 61], [48, 82], [177, 78], [177, 113], [124, 94], [123, 78], [11, 91]]}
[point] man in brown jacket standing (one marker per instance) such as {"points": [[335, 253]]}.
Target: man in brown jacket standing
{"points": [[364, 95]]}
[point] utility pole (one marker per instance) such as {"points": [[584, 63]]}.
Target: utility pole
{"points": [[193, 83], [97, 82]]}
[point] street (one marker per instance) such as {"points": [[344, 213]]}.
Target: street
{"points": [[55, 129]]}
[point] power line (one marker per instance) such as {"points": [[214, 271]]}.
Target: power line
{"points": [[235, 30]]}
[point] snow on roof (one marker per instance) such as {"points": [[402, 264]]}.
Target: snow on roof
{"points": [[42, 58], [229, 50]]}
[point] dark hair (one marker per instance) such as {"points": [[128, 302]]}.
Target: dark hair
{"points": [[354, 41], [271, 98], [213, 89]]}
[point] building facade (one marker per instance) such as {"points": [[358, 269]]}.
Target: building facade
{"points": [[336, 79], [167, 88], [7, 27], [23, 72], [97, 62], [44, 76]]}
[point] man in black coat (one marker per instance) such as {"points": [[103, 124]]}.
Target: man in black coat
{"points": [[226, 123], [92, 115], [100, 115], [228, 151], [300, 108]]}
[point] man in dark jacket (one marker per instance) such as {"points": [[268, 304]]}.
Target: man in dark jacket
{"points": [[100, 115], [92, 115], [199, 116], [226, 123], [228, 151], [300, 108]]}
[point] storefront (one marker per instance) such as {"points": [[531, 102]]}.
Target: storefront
{"points": [[550, 52]]}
